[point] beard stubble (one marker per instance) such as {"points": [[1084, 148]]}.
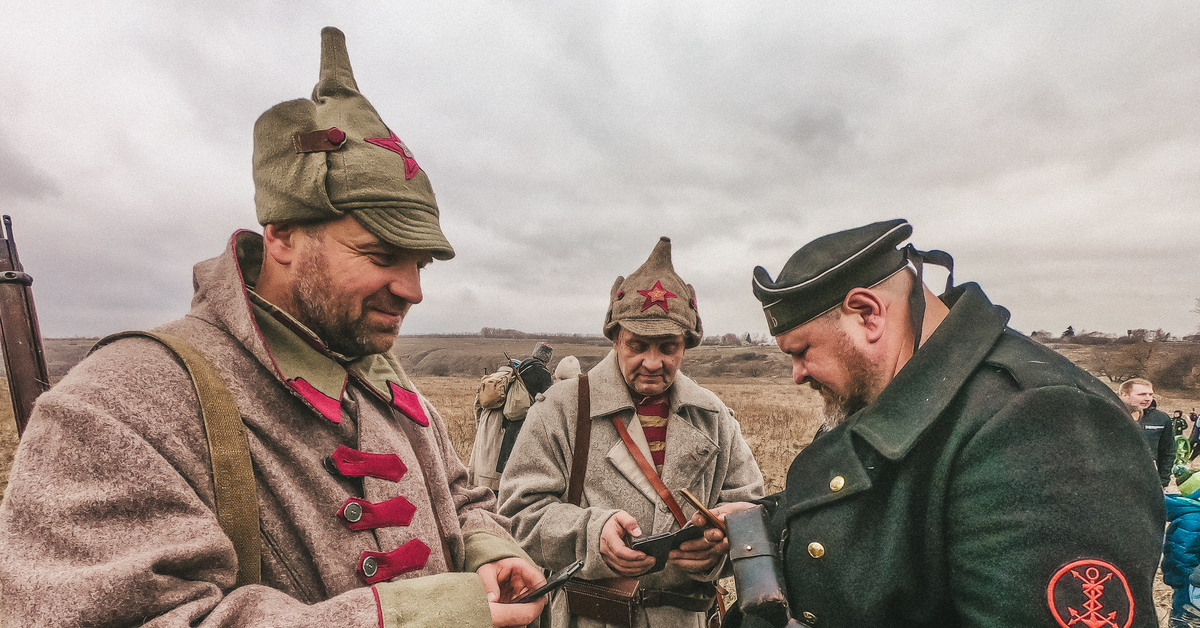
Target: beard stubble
{"points": [[865, 381], [318, 308]]}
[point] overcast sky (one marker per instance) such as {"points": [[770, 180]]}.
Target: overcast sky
{"points": [[1052, 148]]}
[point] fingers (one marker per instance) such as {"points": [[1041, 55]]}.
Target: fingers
{"points": [[523, 577], [491, 584], [612, 538], [513, 615], [507, 578], [618, 556], [631, 569], [627, 523], [700, 555], [701, 544], [725, 509]]}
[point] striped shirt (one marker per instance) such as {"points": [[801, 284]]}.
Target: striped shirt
{"points": [[653, 413]]}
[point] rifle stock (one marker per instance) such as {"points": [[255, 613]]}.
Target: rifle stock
{"points": [[24, 358]]}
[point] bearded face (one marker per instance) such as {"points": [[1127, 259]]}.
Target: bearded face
{"points": [[861, 382], [352, 290]]}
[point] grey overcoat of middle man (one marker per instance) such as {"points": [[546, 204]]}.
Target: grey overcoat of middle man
{"points": [[689, 434]]}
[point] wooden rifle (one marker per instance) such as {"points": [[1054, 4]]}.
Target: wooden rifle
{"points": [[24, 358]]}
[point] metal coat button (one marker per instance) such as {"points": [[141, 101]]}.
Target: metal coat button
{"points": [[810, 617], [816, 550], [370, 566], [329, 465], [837, 483], [353, 512]]}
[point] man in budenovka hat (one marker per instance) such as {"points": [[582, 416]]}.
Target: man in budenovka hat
{"points": [[651, 429], [364, 515], [964, 475]]}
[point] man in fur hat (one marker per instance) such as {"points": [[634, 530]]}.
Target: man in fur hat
{"points": [[965, 475], [362, 515], [650, 430]]}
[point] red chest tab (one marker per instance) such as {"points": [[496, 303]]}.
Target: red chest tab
{"points": [[352, 463], [359, 514], [1090, 593], [409, 403], [379, 566], [329, 407]]}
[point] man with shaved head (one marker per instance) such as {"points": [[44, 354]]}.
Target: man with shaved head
{"points": [[964, 475]]}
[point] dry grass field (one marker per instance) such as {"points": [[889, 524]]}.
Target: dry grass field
{"points": [[778, 418]]}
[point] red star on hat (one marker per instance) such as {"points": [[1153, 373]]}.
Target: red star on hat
{"points": [[394, 144], [657, 295]]}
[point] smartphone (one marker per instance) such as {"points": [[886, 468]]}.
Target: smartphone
{"points": [[704, 512], [659, 546], [553, 582]]}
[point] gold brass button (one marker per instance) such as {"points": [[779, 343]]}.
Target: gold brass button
{"points": [[810, 618], [816, 550], [837, 483]]}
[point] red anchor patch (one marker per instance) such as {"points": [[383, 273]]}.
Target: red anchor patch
{"points": [[1090, 593]]}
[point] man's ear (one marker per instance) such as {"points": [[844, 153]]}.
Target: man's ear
{"points": [[868, 310], [281, 242]]}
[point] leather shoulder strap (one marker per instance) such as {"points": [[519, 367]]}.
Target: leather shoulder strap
{"points": [[649, 472], [583, 442], [233, 473]]}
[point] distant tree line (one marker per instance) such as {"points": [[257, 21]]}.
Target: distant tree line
{"points": [[1150, 353]]}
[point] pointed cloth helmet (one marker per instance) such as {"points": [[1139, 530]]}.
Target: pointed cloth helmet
{"points": [[323, 158], [654, 301]]}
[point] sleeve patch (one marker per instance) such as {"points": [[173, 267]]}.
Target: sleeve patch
{"points": [[1092, 593]]}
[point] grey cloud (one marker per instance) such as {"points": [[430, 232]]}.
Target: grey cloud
{"points": [[21, 179]]}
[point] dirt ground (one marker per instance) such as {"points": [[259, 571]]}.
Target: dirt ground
{"points": [[778, 419]]}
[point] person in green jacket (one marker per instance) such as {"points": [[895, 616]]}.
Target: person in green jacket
{"points": [[964, 475]]}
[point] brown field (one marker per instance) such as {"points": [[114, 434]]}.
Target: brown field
{"points": [[778, 418]]}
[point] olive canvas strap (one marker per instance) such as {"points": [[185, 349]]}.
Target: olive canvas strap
{"points": [[233, 473], [583, 442]]}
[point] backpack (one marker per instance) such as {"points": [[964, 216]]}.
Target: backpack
{"points": [[493, 388]]}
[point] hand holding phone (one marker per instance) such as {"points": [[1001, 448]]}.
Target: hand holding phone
{"points": [[553, 582]]}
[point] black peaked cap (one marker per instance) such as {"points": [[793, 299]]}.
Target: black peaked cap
{"points": [[817, 277]]}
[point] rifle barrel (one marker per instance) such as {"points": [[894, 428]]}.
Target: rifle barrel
{"points": [[24, 358]]}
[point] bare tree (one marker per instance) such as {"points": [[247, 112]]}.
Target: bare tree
{"points": [[1134, 360]]}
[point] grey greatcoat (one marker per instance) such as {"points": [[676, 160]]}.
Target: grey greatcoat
{"points": [[108, 518], [705, 453]]}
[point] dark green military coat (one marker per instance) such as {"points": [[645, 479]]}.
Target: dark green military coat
{"points": [[992, 483]]}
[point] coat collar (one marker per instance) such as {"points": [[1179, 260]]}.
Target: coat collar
{"points": [[224, 297], [610, 395], [928, 382], [915, 398]]}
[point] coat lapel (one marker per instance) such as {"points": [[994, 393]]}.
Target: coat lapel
{"points": [[929, 382], [620, 458], [689, 451]]}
